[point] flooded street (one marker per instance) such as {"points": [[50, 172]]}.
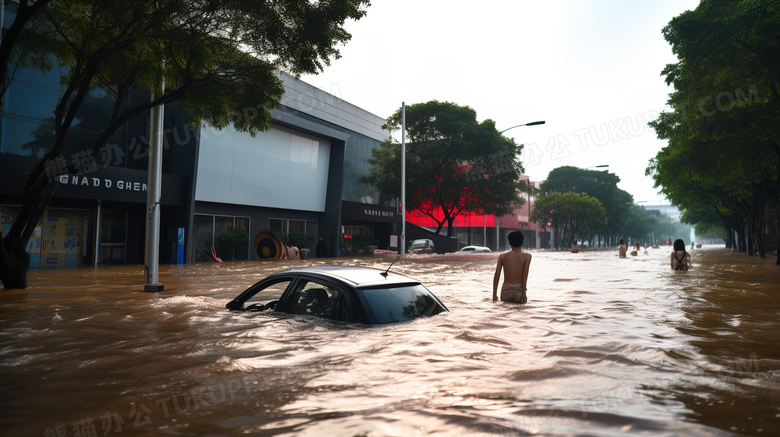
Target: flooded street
{"points": [[605, 346]]}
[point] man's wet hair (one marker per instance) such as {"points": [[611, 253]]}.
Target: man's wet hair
{"points": [[621, 241], [679, 244], [515, 238]]}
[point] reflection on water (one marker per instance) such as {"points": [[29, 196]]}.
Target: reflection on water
{"points": [[605, 346]]}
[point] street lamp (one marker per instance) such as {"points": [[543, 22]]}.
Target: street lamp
{"points": [[484, 230], [533, 123]]}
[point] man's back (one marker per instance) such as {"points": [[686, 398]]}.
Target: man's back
{"points": [[514, 266]]}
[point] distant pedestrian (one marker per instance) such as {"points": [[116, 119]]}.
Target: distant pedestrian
{"points": [[679, 256], [321, 249], [622, 249], [574, 248]]}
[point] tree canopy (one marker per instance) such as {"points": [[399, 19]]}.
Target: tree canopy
{"points": [[217, 59], [723, 154], [601, 185], [453, 164], [573, 215]]}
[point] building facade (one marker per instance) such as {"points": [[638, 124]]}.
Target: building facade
{"points": [[220, 187], [302, 175]]}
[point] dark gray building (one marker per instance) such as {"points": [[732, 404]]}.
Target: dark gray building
{"points": [[302, 175]]}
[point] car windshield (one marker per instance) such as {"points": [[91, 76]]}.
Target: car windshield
{"points": [[390, 305], [418, 245]]}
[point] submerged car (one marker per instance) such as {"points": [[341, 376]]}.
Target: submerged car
{"points": [[476, 249], [422, 246], [347, 294]]}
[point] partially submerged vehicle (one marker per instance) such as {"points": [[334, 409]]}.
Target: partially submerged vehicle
{"points": [[348, 294], [476, 249], [422, 246]]}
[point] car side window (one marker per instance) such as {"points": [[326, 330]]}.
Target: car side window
{"points": [[269, 293], [313, 299]]}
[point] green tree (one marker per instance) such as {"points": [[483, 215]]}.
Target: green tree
{"points": [[453, 164], [572, 215], [639, 224], [723, 151], [601, 185], [217, 60]]}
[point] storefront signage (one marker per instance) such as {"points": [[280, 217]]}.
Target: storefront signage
{"points": [[378, 213], [365, 212], [105, 183]]}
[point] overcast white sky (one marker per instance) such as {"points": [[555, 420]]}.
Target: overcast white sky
{"points": [[577, 64]]}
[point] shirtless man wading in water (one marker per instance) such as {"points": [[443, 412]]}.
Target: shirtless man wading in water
{"points": [[515, 264]]}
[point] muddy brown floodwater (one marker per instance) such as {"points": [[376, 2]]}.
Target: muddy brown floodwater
{"points": [[605, 347]]}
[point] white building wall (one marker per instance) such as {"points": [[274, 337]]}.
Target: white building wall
{"points": [[278, 168]]}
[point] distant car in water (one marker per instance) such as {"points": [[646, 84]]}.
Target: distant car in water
{"points": [[422, 246], [347, 294], [476, 249]]}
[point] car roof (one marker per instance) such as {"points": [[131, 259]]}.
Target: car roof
{"points": [[359, 276]]}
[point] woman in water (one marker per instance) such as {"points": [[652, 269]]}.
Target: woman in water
{"points": [[679, 256]]}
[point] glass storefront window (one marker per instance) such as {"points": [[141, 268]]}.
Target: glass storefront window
{"points": [[277, 225], [113, 238], [222, 227], [297, 226], [219, 232], [203, 237], [241, 251]]}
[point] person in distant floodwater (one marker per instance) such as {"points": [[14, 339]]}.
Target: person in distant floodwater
{"points": [[679, 255], [515, 265], [622, 249], [321, 249], [575, 248]]}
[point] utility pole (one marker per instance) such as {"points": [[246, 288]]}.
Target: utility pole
{"points": [[153, 195], [402, 249]]}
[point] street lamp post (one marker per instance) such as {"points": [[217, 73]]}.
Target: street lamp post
{"points": [[402, 243], [533, 123]]}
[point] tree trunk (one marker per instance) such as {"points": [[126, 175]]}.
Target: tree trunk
{"points": [[743, 238], [760, 234], [13, 256], [13, 266], [729, 237], [777, 243]]}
